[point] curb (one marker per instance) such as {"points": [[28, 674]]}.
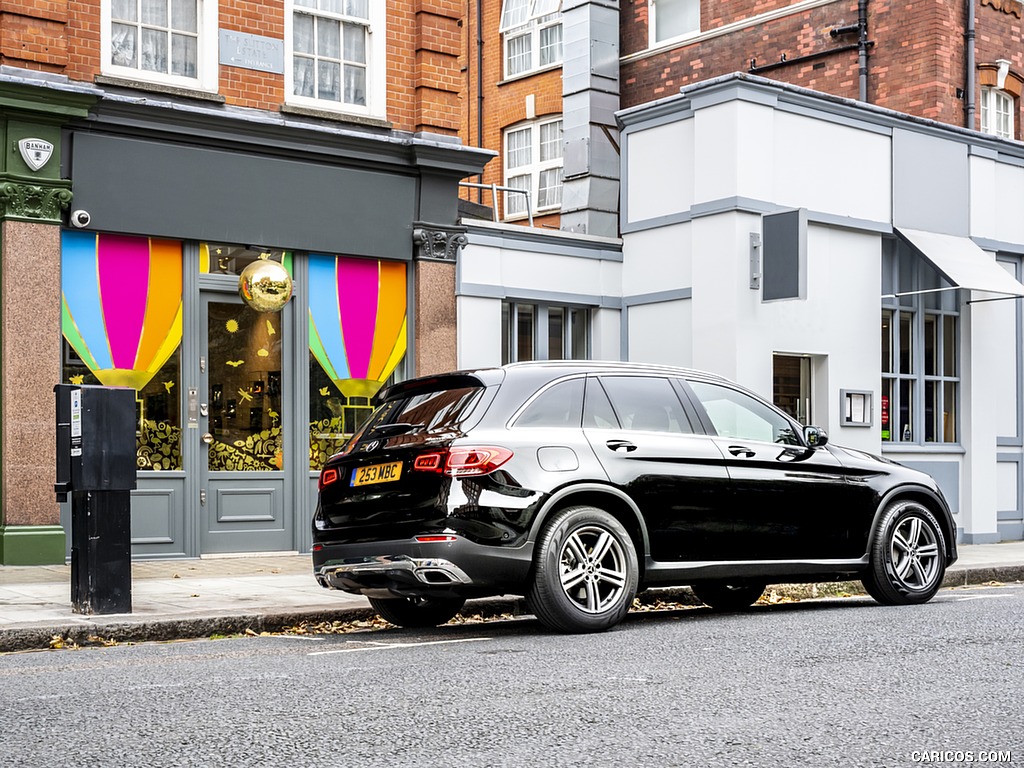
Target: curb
{"points": [[97, 633]]}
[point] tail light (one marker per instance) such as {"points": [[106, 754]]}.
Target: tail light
{"points": [[467, 461], [328, 476]]}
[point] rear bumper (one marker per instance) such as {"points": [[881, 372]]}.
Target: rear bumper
{"points": [[409, 568]]}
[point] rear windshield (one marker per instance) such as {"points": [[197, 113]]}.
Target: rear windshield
{"points": [[442, 411]]}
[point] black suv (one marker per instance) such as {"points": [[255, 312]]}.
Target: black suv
{"points": [[577, 483]]}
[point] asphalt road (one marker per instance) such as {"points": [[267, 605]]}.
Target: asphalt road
{"points": [[819, 683]]}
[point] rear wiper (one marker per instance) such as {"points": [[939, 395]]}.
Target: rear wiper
{"points": [[396, 428]]}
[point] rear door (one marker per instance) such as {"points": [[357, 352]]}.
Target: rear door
{"points": [[788, 501], [646, 442]]}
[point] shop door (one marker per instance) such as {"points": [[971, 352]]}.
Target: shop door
{"points": [[243, 483]]}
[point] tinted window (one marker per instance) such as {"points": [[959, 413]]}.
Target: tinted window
{"points": [[735, 414], [440, 411], [646, 403], [559, 405], [597, 412]]}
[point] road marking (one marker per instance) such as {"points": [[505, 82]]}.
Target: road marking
{"points": [[391, 646], [981, 597]]}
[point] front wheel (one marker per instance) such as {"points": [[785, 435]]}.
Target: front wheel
{"points": [[586, 572], [417, 612], [908, 556], [721, 596]]}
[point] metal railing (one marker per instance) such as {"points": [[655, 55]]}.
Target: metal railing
{"points": [[495, 189]]}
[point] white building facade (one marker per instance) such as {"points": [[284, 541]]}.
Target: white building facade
{"points": [[860, 267]]}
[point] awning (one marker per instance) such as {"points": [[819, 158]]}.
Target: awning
{"points": [[962, 262]]}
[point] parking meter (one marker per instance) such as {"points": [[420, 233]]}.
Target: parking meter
{"points": [[95, 433]]}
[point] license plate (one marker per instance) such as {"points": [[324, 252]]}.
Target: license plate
{"points": [[377, 473]]}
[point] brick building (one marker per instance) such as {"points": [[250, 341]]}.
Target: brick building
{"points": [[155, 149]]}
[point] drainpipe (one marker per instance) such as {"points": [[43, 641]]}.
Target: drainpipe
{"points": [[480, 91], [969, 80], [862, 47]]}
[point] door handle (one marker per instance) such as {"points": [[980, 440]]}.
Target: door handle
{"points": [[207, 438], [739, 450], [621, 446]]}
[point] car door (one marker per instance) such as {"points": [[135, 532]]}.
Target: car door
{"points": [[789, 501], [645, 440]]}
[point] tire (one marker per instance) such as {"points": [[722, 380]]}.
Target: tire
{"points": [[417, 612], [721, 596], [908, 556], [585, 572]]}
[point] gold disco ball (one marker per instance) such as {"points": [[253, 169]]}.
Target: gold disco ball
{"points": [[265, 286]]}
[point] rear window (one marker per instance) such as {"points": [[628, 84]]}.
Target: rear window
{"points": [[446, 410]]}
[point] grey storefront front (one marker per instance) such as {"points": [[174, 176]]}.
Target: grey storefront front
{"points": [[170, 199]]}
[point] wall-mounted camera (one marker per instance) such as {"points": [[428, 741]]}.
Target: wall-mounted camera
{"points": [[80, 218]]}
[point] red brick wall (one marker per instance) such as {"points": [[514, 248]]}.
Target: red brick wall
{"points": [[915, 65], [423, 48]]}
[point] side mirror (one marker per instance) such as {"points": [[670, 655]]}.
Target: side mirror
{"points": [[815, 437]]}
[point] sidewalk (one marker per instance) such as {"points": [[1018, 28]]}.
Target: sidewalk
{"points": [[173, 599]]}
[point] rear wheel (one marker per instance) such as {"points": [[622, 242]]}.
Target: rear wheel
{"points": [[908, 556], [417, 612], [727, 597], [585, 574]]}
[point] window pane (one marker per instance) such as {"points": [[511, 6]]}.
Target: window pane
{"points": [[184, 15], [932, 412], [331, 6], [154, 50], [676, 17], [556, 333], [931, 345], [506, 332], [551, 45], [302, 76], [360, 9], [887, 341], [302, 34], [154, 12], [328, 38], [735, 414], [551, 141], [579, 332], [597, 410], [123, 47], [328, 80], [355, 85], [646, 404], [519, 149], [306, 3], [558, 406], [906, 342], [516, 12], [124, 10], [949, 345], [549, 191], [949, 391], [545, 7], [905, 422], [524, 331], [184, 55], [518, 58], [355, 43], [886, 415], [515, 203]]}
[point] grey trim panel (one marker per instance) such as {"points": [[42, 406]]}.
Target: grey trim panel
{"points": [[172, 190], [483, 291], [679, 294], [518, 238]]}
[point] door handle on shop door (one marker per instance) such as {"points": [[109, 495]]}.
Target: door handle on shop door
{"points": [[621, 446], [207, 438]]}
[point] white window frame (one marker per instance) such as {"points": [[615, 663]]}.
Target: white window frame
{"points": [[652, 23], [207, 66], [535, 16], [533, 169], [1001, 104], [376, 61]]}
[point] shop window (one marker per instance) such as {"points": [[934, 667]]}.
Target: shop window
{"points": [[672, 19], [531, 33], [920, 344], [336, 55], [121, 323], [173, 42], [997, 110], [533, 163], [543, 332], [357, 342]]}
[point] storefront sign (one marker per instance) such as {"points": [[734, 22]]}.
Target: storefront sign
{"points": [[35, 152], [238, 49]]}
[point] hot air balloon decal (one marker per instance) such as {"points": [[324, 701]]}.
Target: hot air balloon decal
{"points": [[121, 304], [357, 320]]}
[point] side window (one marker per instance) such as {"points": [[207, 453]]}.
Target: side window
{"points": [[558, 406], [735, 414], [647, 404]]}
